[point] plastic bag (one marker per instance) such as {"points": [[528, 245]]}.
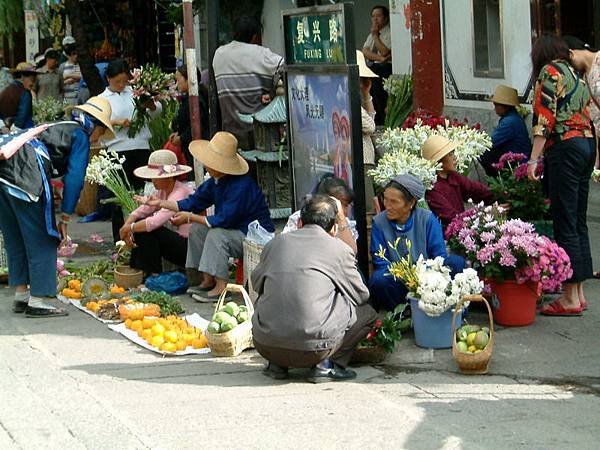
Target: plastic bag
{"points": [[173, 283], [257, 234]]}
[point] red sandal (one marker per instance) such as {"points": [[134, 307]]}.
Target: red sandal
{"points": [[557, 309], [583, 305]]}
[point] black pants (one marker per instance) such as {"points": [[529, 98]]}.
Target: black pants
{"points": [[339, 353], [569, 166], [155, 245], [133, 160], [384, 70]]}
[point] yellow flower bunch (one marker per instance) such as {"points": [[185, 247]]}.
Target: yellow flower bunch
{"points": [[404, 269]]}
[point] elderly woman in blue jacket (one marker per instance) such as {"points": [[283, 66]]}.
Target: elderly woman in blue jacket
{"points": [[27, 221], [402, 221]]}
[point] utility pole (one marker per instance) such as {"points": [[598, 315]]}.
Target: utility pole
{"points": [[212, 14], [192, 71]]}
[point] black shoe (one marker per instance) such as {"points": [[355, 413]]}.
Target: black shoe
{"points": [[19, 306], [336, 373], [276, 372], [44, 312]]}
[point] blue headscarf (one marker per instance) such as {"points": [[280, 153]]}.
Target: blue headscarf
{"points": [[87, 122]]}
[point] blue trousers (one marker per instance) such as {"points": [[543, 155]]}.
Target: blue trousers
{"points": [[387, 293], [31, 251]]}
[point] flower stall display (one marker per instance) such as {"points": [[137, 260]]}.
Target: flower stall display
{"points": [[519, 263], [106, 169], [402, 150], [511, 186], [149, 84], [433, 294], [47, 110]]}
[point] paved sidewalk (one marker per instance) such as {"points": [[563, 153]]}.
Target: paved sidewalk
{"points": [[73, 383]]}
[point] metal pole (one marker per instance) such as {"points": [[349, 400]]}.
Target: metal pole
{"points": [[190, 59], [212, 14]]}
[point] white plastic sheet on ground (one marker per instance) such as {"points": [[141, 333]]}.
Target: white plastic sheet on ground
{"points": [[193, 319]]}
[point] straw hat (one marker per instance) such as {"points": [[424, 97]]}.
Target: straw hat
{"points": [[436, 147], [99, 108], [363, 70], [505, 95], [161, 164], [24, 68], [220, 153]]}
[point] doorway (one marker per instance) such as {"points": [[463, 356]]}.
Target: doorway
{"points": [[579, 18]]}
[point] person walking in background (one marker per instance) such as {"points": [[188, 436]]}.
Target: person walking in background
{"points": [[5, 76], [244, 74], [49, 82], [136, 149], [71, 74], [511, 134], [377, 50], [27, 211], [562, 133], [16, 104], [182, 129]]}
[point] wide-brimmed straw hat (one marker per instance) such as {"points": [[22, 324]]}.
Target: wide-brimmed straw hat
{"points": [[363, 69], [506, 95], [99, 108], [161, 164], [220, 153], [436, 147], [24, 68]]}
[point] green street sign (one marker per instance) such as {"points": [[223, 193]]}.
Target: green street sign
{"points": [[316, 38]]}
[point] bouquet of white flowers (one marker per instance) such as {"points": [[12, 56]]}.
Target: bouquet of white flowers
{"points": [[106, 169]]}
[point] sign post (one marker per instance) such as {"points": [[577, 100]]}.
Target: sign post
{"points": [[323, 101]]}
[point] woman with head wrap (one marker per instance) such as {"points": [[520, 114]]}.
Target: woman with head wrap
{"points": [[27, 220], [402, 222]]}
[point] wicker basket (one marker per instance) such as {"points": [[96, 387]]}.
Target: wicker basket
{"points": [[128, 277], [473, 363], [233, 342], [368, 355], [252, 252], [89, 193]]}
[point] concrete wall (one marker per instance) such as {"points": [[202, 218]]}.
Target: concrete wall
{"points": [[401, 40]]}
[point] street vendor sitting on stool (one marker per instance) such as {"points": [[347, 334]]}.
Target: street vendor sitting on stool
{"points": [[148, 229], [312, 306], [237, 200], [402, 222]]}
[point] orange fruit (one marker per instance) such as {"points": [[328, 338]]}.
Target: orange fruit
{"points": [[157, 341], [171, 336], [136, 314], [181, 344], [200, 342], [136, 325], [147, 334], [168, 347], [158, 329], [148, 323], [128, 323]]}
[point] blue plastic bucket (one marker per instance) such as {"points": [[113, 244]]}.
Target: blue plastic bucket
{"points": [[433, 332]]}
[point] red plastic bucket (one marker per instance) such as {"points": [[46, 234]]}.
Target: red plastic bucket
{"points": [[514, 304]]}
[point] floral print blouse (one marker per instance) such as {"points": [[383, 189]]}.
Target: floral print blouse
{"points": [[560, 104], [593, 81]]}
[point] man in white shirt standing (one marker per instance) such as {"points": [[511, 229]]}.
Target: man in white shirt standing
{"points": [[378, 53], [244, 74]]}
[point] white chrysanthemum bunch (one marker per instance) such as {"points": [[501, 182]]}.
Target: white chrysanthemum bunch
{"points": [[106, 169], [398, 143], [399, 163], [437, 292]]}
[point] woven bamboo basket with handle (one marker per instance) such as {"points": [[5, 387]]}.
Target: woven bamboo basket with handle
{"points": [[473, 363], [235, 341]]}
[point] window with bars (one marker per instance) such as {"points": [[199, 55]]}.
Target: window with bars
{"points": [[487, 37]]}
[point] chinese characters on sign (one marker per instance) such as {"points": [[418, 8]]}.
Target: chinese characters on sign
{"points": [[316, 39], [32, 44], [313, 110]]}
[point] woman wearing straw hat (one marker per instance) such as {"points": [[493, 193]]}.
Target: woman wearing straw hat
{"points": [[237, 200], [451, 190], [511, 134], [16, 107], [27, 220], [148, 227]]}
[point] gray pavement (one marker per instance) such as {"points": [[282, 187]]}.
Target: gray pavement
{"points": [[73, 383]]}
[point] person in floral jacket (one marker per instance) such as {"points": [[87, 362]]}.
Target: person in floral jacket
{"points": [[562, 131]]}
